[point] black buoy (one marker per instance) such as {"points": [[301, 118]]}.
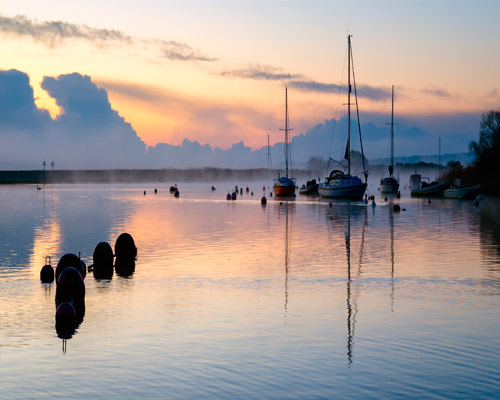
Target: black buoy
{"points": [[47, 272], [281, 203], [263, 201], [125, 246], [156, 191], [396, 208], [233, 196], [103, 261], [176, 194], [144, 193], [71, 289], [68, 260], [385, 198], [251, 193], [331, 205]]}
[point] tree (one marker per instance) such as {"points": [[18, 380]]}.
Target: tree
{"points": [[487, 149], [486, 152]]}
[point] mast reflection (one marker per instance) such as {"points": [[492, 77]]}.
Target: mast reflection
{"points": [[284, 208]]}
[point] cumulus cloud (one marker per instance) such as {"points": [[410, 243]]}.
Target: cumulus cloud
{"points": [[57, 33], [88, 133]]}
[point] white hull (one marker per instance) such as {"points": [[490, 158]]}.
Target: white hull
{"points": [[469, 192], [342, 191]]}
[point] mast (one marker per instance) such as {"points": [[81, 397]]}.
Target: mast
{"points": [[392, 134], [287, 129], [349, 104]]}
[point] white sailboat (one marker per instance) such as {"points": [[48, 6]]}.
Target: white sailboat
{"points": [[340, 184], [390, 184]]}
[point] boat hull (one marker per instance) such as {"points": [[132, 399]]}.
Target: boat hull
{"points": [[389, 185], [354, 192], [313, 189], [462, 193], [431, 191], [284, 186]]}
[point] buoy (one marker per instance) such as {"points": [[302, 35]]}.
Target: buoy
{"points": [[125, 246], [144, 193], [228, 197], [65, 313], [68, 260], [263, 201], [251, 193], [65, 320], [103, 261], [71, 289], [385, 198], [263, 188], [47, 272], [271, 194], [233, 196], [330, 205], [398, 195], [176, 194], [429, 200], [213, 188], [126, 253], [403, 209], [373, 204], [396, 208], [241, 191], [247, 189], [281, 203], [156, 190]]}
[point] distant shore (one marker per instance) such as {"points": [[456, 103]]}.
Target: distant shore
{"points": [[146, 175]]}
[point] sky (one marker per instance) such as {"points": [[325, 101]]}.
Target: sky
{"points": [[214, 72]]}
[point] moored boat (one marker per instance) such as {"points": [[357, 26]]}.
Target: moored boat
{"points": [[435, 189], [390, 184], [285, 186], [464, 192], [339, 184], [310, 187]]}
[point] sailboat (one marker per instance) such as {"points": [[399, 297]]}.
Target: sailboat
{"points": [[285, 186], [390, 184], [339, 184]]}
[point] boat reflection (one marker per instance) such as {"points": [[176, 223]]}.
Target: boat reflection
{"points": [[346, 213], [286, 210]]}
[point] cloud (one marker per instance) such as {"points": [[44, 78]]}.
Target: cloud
{"points": [[260, 72], [57, 33], [300, 82], [88, 133], [436, 91]]}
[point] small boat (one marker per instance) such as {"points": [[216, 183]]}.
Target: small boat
{"points": [[311, 187], [390, 184], [339, 184], [464, 192], [434, 189], [285, 186]]}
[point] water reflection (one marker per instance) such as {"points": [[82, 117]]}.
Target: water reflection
{"points": [[287, 209]]}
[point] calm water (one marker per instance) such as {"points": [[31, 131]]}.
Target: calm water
{"points": [[235, 300]]}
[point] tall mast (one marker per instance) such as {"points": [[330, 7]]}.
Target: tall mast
{"points": [[392, 133], [349, 104], [286, 130]]}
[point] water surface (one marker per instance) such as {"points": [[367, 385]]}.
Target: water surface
{"points": [[234, 300]]}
